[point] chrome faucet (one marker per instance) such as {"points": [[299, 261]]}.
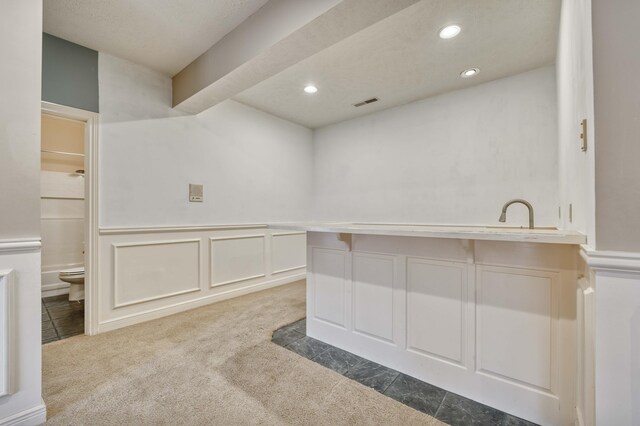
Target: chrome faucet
{"points": [[503, 216]]}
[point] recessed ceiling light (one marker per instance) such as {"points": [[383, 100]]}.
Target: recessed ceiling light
{"points": [[450, 31], [310, 88], [469, 73]]}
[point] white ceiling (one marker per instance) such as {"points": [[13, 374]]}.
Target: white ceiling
{"points": [[165, 35], [401, 59]]}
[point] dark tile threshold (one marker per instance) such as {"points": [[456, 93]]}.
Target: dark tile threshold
{"points": [[61, 318], [445, 406]]}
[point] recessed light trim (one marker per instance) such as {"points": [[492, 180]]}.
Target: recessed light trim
{"points": [[310, 88], [468, 73], [450, 31]]}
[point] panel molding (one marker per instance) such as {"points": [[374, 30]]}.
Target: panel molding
{"points": [[313, 275], [394, 284], [158, 229], [6, 333], [464, 291], [283, 234], [553, 278], [118, 246], [213, 284], [274, 236], [282, 271]]}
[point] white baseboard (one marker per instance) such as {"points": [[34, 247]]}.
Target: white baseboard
{"points": [[49, 290], [31, 417], [191, 304]]}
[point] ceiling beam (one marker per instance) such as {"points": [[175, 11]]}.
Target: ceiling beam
{"points": [[279, 35]]}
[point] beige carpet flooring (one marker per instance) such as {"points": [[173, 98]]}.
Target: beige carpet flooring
{"points": [[213, 365]]}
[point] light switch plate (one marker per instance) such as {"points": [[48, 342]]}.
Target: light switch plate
{"points": [[195, 192]]}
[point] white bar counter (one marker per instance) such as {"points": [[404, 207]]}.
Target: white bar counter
{"points": [[492, 233], [487, 313]]}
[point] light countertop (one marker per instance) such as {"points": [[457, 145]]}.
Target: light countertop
{"points": [[492, 233]]}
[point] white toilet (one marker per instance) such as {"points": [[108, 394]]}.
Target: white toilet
{"points": [[75, 278]]}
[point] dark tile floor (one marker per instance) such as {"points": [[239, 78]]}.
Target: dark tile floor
{"points": [[445, 406], [61, 318]]}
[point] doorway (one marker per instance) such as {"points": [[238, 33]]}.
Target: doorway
{"points": [[68, 221]]}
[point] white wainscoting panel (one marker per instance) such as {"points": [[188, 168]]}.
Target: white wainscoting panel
{"points": [[236, 258], [288, 251], [490, 322], [373, 295], [436, 309], [145, 271], [148, 273], [329, 285], [516, 320], [6, 314]]}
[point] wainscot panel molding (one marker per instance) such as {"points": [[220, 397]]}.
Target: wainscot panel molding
{"points": [[375, 296], [437, 298], [155, 230], [148, 273], [518, 306], [287, 255], [6, 333], [237, 258], [492, 321], [329, 286]]}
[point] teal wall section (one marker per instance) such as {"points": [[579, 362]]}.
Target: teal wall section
{"points": [[69, 74]]}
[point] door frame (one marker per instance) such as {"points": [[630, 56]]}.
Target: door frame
{"points": [[92, 122]]}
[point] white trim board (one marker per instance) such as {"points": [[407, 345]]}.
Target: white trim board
{"points": [[33, 416], [19, 246], [611, 261], [7, 373], [156, 229]]}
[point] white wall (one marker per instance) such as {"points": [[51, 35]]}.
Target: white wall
{"points": [[255, 167], [574, 67], [617, 187], [617, 123], [21, 53], [20, 125], [454, 158]]}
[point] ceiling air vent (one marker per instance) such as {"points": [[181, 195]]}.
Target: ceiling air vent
{"points": [[368, 101]]}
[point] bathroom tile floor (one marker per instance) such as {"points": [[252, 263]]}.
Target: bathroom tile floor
{"points": [[443, 405], [61, 318]]}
